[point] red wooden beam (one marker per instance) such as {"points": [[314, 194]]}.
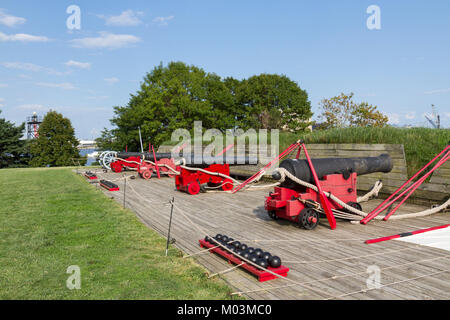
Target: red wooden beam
{"points": [[406, 234], [386, 203], [323, 198]]}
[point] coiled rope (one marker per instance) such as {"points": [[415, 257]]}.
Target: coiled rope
{"points": [[286, 174]]}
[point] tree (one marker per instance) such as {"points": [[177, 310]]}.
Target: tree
{"points": [[274, 101], [174, 97], [56, 145], [12, 148], [341, 111]]}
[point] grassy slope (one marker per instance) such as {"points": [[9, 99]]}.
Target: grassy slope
{"points": [[420, 144], [51, 219]]}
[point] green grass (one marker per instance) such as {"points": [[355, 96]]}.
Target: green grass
{"points": [[420, 144], [51, 219]]}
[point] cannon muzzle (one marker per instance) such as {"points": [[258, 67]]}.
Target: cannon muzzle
{"points": [[194, 160], [364, 165]]}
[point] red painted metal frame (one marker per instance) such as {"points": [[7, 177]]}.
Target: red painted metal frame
{"points": [[191, 180], [261, 274], [386, 203], [285, 202], [109, 188], [406, 234], [90, 175], [156, 163], [414, 186], [279, 157], [326, 206]]}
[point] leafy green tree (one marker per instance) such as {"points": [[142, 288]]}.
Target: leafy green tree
{"points": [[274, 101], [174, 97], [12, 148], [56, 145], [341, 111], [107, 141]]}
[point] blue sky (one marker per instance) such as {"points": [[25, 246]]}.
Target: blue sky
{"points": [[325, 46]]}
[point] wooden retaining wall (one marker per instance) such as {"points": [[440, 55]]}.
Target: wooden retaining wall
{"points": [[436, 191]]}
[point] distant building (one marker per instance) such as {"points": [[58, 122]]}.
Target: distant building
{"points": [[87, 144], [33, 124]]}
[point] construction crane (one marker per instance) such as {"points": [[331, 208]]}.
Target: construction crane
{"points": [[435, 119]]}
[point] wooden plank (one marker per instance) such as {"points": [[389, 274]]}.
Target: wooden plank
{"points": [[242, 216]]}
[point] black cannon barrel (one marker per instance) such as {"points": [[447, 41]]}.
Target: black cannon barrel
{"points": [[200, 161], [147, 155], [193, 160], [364, 165]]}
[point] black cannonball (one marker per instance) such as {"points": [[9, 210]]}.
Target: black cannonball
{"points": [[275, 262], [225, 238], [258, 252], [250, 250], [244, 247], [253, 258], [218, 237], [262, 263], [266, 256], [246, 255], [230, 240], [238, 252], [237, 244], [207, 239]]}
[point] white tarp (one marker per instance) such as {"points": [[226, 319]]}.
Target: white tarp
{"points": [[439, 238]]}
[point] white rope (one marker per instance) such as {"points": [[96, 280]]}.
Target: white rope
{"points": [[373, 193], [284, 173], [246, 260], [389, 284], [226, 270], [343, 276]]}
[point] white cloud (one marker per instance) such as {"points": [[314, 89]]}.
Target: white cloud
{"points": [[77, 64], [394, 118], [64, 85], [3, 85], [25, 76], [22, 37], [410, 115], [127, 18], [437, 91], [106, 40], [111, 80], [32, 107], [163, 21], [31, 67], [22, 66], [9, 20]]}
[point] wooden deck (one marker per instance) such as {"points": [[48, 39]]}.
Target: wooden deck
{"points": [[242, 216]]}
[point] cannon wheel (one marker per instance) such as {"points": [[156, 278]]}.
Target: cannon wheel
{"points": [[108, 158], [146, 174], [355, 205], [308, 219], [272, 214], [193, 188], [227, 185]]}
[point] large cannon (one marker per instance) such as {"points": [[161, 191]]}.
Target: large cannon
{"points": [[296, 202], [326, 166]]}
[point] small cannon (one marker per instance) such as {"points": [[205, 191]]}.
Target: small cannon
{"points": [[144, 163], [295, 202], [202, 173]]}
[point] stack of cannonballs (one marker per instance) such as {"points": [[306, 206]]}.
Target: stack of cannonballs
{"points": [[258, 256]]}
